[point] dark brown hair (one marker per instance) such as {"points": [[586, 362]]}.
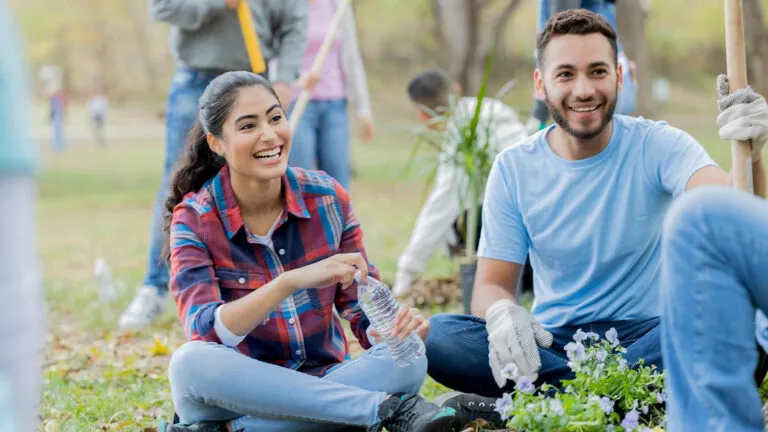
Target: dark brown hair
{"points": [[198, 164], [575, 22]]}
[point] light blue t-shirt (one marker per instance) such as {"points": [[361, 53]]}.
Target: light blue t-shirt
{"points": [[592, 227], [17, 152]]}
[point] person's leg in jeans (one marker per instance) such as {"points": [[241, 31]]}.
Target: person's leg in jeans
{"points": [[457, 353], [714, 255], [457, 349], [333, 141], [186, 88], [305, 137], [213, 382], [21, 312]]}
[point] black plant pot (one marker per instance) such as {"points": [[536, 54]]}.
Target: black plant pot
{"points": [[467, 280]]}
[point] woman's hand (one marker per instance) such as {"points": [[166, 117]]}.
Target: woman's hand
{"points": [[338, 269], [407, 320]]}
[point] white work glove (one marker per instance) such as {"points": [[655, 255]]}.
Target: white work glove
{"points": [[403, 282], [513, 336], [743, 116]]}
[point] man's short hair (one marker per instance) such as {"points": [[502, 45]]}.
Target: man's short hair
{"points": [[575, 22], [431, 89]]}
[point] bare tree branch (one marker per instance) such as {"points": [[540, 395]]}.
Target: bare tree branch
{"points": [[498, 26]]}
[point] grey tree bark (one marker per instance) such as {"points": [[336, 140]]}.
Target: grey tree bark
{"points": [[757, 45], [631, 18]]}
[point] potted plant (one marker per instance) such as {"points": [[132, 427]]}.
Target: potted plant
{"points": [[464, 142]]}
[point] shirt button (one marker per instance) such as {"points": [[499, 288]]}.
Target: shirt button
{"points": [[298, 352], [292, 320], [281, 251], [241, 280]]}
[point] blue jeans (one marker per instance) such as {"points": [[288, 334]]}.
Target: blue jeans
{"points": [[626, 102], [322, 136], [713, 277], [181, 111], [210, 381], [457, 349]]}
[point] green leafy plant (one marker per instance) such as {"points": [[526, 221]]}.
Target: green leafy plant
{"points": [[463, 140], [605, 394]]}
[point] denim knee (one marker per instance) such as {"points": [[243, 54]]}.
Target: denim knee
{"points": [[412, 376], [408, 379], [686, 212], [191, 366]]}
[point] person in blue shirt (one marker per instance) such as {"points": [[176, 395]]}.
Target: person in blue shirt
{"points": [[21, 311], [585, 199]]}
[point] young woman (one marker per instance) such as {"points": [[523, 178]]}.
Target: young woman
{"points": [[322, 135], [263, 259]]}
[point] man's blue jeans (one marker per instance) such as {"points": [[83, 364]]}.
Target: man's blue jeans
{"points": [[181, 111], [714, 276], [210, 382], [457, 349], [321, 139]]}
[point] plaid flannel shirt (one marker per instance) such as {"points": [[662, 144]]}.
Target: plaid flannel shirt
{"points": [[215, 260]]}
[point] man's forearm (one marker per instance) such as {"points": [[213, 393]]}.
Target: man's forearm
{"points": [[485, 295], [293, 43]]}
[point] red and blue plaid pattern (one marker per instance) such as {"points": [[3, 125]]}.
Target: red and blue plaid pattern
{"points": [[215, 260]]}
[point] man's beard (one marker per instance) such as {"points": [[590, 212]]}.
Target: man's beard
{"points": [[559, 117]]}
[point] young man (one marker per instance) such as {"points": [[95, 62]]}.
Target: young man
{"points": [[206, 41], [430, 91], [626, 100], [586, 199], [22, 331]]}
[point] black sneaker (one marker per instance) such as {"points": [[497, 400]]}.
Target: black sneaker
{"points": [[470, 407], [212, 426], [411, 413]]}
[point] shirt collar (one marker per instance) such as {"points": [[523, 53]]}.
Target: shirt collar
{"points": [[229, 211]]}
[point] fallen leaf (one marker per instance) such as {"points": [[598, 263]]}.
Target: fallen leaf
{"points": [[159, 348]]}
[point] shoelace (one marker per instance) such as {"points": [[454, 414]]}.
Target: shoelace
{"points": [[404, 415], [394, 422]]}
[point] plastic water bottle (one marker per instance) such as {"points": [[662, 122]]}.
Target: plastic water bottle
{"points": [[104, 282], [381, 307]]}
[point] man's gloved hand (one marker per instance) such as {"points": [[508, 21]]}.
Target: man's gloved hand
{"points": [[743, 116], [403, 282], [513, 337]]}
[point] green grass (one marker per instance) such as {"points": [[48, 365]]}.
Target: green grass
{"points": [[97, 202]]}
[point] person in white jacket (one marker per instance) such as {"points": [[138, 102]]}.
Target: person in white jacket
{"points": [[434, 228]]}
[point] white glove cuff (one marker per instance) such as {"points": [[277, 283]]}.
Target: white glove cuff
{"points": [[498, 309]]}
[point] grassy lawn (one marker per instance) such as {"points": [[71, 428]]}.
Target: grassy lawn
{"points": [[97, 202]]}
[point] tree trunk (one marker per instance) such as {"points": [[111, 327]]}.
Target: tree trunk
{"points": [[757, 45], [460, 26], [631, 17]]}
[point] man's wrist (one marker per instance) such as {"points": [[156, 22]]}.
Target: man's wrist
{"points": [[497, 309]]}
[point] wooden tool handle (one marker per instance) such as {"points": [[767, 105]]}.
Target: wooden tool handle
{"points": [[736, 65]]}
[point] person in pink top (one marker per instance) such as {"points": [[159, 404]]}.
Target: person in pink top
{"points": [[321, 139]]}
